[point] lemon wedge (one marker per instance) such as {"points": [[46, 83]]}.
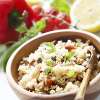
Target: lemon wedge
{"points": [[85, 14]]}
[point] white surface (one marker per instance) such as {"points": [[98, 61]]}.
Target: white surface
{"points": [[6, 92]]}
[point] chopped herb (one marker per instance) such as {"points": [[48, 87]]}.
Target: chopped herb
{"points": [[22, 28], [38, 27], [49, 62], [50, 47], [69, 55], [48, 70], [71, 74]]}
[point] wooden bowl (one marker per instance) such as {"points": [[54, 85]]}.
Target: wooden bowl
{"points": [[32, 45]]}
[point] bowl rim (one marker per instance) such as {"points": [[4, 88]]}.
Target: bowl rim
{"points": [[14, 85]]}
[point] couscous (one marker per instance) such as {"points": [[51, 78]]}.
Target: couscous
{"points": [[56, 67]]}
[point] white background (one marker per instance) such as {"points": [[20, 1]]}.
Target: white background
{"points": [[6, 92]]}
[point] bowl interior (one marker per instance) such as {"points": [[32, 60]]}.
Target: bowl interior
{"points": [[32, 45]]}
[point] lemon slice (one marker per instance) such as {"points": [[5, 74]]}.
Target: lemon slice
{"points": [[85, 14]]}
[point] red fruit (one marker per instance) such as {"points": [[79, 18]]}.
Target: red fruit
{"points": [[34, 16], [28, 21], [53, 12], [3, 23], [37, 12], [61, 16], [37, 9], [49, 25], [6, 6], [67, 19], [63, 26], [9, 35], [55, 21], [48, 28], [21, 6]]}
